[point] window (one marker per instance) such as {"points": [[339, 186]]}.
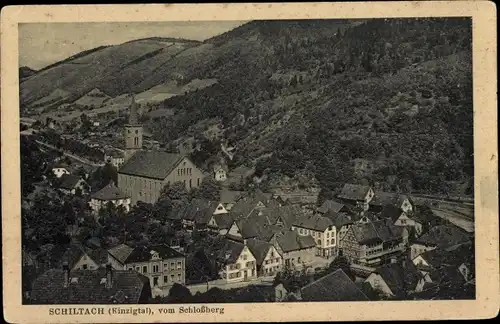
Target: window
{"points": [[130, 268], [319, 242], [172, 265], [184, 182], [272, 254], [179, 277], [155, 281], [165, 279], [244, 256], [190, 183], [144, 269], [84, 267], [165, 267], [178, 172], [328, 234], [198, 181], [136, 131], [179, 265], [155, 268], [137, 269], [172, 278]]}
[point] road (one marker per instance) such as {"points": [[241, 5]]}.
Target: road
{"points": [[75, 157], [456, 218]]}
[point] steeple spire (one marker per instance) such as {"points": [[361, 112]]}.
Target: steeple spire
{"points": [[132, 118]]}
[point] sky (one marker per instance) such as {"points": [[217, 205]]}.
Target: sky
{"points": [[41, 44]]}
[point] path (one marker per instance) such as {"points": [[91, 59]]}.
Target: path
{"points": [[75, 157]]}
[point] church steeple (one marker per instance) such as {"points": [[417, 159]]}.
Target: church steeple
{"points": [[132, 118], [133, 131]]}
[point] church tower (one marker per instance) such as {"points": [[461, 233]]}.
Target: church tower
{"points": [[133, 132]]}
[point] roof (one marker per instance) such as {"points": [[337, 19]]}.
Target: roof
{"points": [[109, 192], [336, 286], [230, 252], [290, 240], [443, 236], [330, 205], [376, 231], [259, 249], [354, 191], [224, 221], [391, 212], [126, 254], [88, 287], [338, 219], [217, 167], [121, 252], [440, 257], [69, 181], [229, 196], [73, 254], [151, 164], [387, 198], [198, 210], [314, 222], [397, 276]]}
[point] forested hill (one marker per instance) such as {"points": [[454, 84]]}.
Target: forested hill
{"points": [[385, 101]]}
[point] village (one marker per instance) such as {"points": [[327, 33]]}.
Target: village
{"points": [[365, 244]]}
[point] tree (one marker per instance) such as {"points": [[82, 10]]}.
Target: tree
{"points": [[179, 294], [209, 189], [341, 262]]}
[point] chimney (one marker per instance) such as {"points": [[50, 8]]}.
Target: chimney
{"points": [[245, 242], [109, 276], [66, 274]]}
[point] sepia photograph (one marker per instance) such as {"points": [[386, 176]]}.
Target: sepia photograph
{"points": [[199, 162]]}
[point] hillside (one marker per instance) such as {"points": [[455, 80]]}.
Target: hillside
{"points": [[25, 72], [385, 101]]}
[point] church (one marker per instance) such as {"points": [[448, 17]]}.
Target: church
{"points": [[144, 173]]}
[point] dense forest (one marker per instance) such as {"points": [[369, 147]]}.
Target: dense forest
{"points": [[394, 95]]}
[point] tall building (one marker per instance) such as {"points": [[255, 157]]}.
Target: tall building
{"points": [[145, 172], [133, 132]]}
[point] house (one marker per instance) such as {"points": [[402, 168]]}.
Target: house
{"points": [[360, 195], [296, 250], [321, 229], [401, 218], [144, 173], [371, 243], [229, 197], [101, 286], [220, 223], [79, 258], [441, 236], [220, 173], [60, 169], [341, 221], [331, 205], [396, 279], [198, 213], [115, 158], [163, 265], [71, 184], [336, 286], [237, 262], [382, 199], [109, 194], [267, 258]]}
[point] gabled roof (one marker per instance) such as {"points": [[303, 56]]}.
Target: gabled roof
{"points": [[143, 253], [376, 231], [229, 196], [338, 219], [313, 222], [230, 252], [109, 192], [73, 254], [290, 240], [399, 277], [391, 212], [336, 286], [330, 205], [121, 252], [224, 221], [354, 191], [453, 256], [259, 249], [198, 210], [151, 164], [88, 287], [387, 198], [69, 181], [443, 236]]}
